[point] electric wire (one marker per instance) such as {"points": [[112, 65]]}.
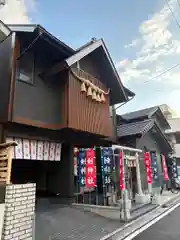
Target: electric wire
{"points": [[172, 13], [162, 73], [178, 2]]}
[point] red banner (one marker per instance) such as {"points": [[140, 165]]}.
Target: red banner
{"points": [[147, 162], [164, 168], [90, 169], [121, 172]]}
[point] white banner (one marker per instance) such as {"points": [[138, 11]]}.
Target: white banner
{"points": [[36, 150]]}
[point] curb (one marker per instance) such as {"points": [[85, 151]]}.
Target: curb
{"points": [[169, 204], [143, 213], [135, 230]]}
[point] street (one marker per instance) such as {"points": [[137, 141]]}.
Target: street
{"points": [[166, 229]]}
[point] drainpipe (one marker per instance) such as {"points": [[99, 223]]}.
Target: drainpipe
{"points": [[114, 122], [114, 117]]}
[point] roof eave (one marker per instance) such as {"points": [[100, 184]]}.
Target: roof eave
{"points": [[129, 92], [115, 71], [45, 34], [53, 38], [163, 136], [4, 28], [90, 48]]}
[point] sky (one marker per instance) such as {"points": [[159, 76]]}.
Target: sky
{"points": [[142, 37]]}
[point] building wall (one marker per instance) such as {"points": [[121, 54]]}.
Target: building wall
{"points": [[151, 144], [175, 124], [19, 212], [41, 100], [6, 65], [177, 150], [173, 135], [84, 113]]}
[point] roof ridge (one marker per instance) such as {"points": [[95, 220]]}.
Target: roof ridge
{"points": [[142, 109], [86, 44], [133, 123]]}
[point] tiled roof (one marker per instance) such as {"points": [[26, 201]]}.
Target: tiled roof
{"points": [[134, 128], [140, 113]]}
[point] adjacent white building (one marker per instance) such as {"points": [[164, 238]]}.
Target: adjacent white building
{"points": [[173, 134]]}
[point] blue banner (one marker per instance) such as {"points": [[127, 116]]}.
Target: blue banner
{"points": [[154, 167], [174, 168], [107, 165], [81, 167]]}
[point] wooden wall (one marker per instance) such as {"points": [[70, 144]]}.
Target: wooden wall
{"points": [[55, 104], [85, 114], [40, 104], [6, 77]]}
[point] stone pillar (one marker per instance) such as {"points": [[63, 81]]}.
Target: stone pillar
{"points": [[62, 183], [138, 176], [140, 196], [125, 201], [19, 215], [125, 213]]}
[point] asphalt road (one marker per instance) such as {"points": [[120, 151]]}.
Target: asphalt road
{"points": [[167, 228]]}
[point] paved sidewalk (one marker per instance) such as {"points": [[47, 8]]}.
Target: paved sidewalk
{"points": [[59, 222], [168, 196], [67, 223]]}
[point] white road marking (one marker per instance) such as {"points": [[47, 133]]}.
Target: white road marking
{"points": [[149, 224], [127, 225]]}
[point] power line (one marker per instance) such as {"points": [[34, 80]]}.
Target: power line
{"points": [[169, 69], [172, 13], [178, 3], [162, 73]]}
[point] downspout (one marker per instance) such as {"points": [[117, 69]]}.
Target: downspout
{"points": [[114, 119]]}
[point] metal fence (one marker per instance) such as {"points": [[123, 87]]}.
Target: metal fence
{"points": [[110, 194]]}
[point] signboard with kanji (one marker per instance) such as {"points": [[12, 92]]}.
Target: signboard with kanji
{"points": [[81, 167], [121, 172], [174, 168], [147, 162], [154, 168], [107, 165], [164, 166], [90, 169]]}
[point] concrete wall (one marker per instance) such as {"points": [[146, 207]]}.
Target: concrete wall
{"points": [[173, 134], [19, 212], [177, 150], [175, 124]]}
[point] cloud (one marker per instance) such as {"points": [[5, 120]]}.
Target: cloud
{"points": [[134, 43], [155, 50], [156, 42], [17, 11]]}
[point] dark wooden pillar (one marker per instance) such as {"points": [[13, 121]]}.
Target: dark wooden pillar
{"points": [[62, 179]]}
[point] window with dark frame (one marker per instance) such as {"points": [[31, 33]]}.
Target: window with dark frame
{"points": [[26, 68]]}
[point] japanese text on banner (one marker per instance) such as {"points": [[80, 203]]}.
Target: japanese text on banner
{"points": [[107, 165], [154, 167], [164, 168], [81, 167], [90, 169], [147, 162], [121, 171], [174, 168]]}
